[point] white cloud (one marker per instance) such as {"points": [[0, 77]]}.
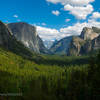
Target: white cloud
{"points": [[16, 16], [47, 33], [79, 8], [67, 20], [56, 12], [73, 30], [52, 34], [96, 15], [43, 24], [72, 2], [78, 11], [77, 28]]}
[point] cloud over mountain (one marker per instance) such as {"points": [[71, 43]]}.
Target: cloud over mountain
{"points": [[47, 33], [96, 15], [75, 29]]}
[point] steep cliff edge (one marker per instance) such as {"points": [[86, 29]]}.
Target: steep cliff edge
{"points": [[27, 34], [88, 41], [9, 42], [75, 46]]}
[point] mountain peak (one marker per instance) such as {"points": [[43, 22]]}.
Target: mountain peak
{"points": [[88, 34]]}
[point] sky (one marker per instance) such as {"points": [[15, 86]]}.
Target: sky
{"points": [[54, 19]]}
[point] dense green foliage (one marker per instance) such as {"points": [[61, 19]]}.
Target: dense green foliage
{"points": [[61, 60], [49, 77]]}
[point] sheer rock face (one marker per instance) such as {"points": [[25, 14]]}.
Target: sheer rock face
{"points": [[75, 46], [9, 42], [87, 47], [28, 36], [92, 45], [88, 41], [96, 43], [89, 33]]}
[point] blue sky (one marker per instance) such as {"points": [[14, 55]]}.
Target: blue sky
{"points": [[32, 11], [54, 19]]}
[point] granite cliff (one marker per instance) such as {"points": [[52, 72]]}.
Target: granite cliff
{"points": [[27, 34], [88, 41], [9, 42]]}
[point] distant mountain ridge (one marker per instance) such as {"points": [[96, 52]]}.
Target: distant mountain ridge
{"points": [[61, 46], [48, 43], [86, 42], [23, 39]]}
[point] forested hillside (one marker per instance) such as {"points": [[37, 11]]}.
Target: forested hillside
{"points": [[34, 80]]}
